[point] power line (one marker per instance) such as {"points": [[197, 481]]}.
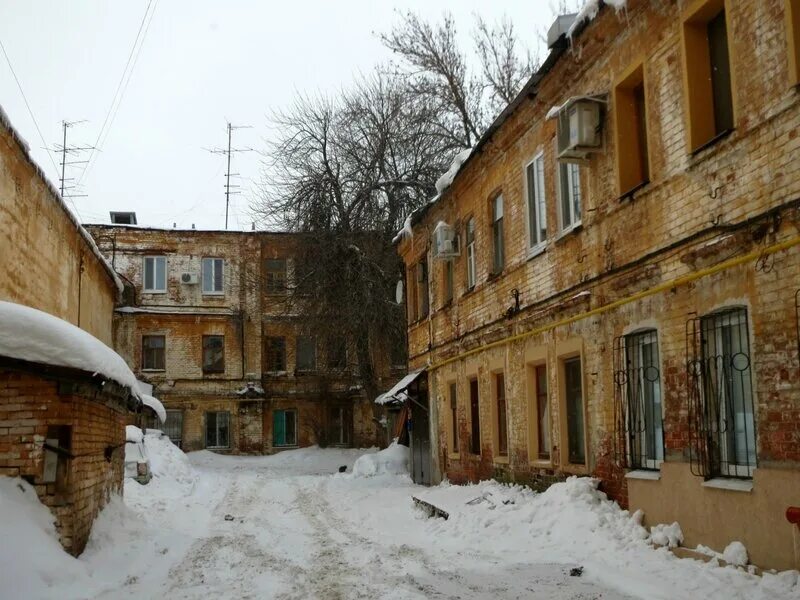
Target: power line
{"points": [[122, 85]]}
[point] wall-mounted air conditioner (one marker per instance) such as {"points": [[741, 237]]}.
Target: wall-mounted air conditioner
{"points": [[445, 242], [190, 278], [580, 128]]}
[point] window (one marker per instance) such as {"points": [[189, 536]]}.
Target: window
{"points": [[422, 289], [630, 113], [218, 429], [707, 72], [57, 457], [500, 413], [153, 352], [536, 207], [397, 352], [276, 276], [275, 352], [569, 195], [123, 218], [341, 418], [471, 274], [497, 235], [155, 274], [475, 418], [284, 428], [212, 275], [306, 354], [539, 412], [573, 395], [337, 354], [637, 377], [213, 354], [453, 411], [793, 36], [722, 415], [173, 426], [447, 282]]}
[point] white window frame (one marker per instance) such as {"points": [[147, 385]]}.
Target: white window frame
{"points": [[217, 428], [536, 241], [652, 464], [498, 235], [212, 291], [471, 267], [573, 172], [155, 289]]}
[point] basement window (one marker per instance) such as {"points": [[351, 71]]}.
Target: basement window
{"points": [[284, 428], [213, 275], [630, 111], [213, 354], [153, 352], [218, 429], [155, 274], [793, 38], [708, 73], [57, 456]]}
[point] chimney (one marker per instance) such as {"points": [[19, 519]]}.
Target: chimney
{"points": [[558, 30]]}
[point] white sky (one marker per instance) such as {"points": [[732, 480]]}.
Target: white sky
{"points": [[203, 62]]}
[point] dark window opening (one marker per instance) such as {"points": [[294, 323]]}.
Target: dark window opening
{"points": [[720, 73], [574, 399], [213, 354], [475, 418], [276, 276], [542, 412], [337, 354], [453, 419], [502, 417], [153, 352], [284, 428], [306, 359], [275, 351], [497, 235], [218, 429]]}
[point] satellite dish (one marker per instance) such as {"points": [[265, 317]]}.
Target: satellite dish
{"points": [[398, 292]]}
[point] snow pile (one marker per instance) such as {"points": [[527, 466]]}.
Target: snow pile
{"points": [[446, 180], [133, 434], [35, 336], [670, 536], [735, 554], [167, 461], [393, 460], [156, 405], [32, 560], [589, 12]]}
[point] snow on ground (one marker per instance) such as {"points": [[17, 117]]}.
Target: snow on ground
{"points": [[291, 526]]}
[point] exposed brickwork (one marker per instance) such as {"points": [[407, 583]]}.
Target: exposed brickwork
{"points": [[29, 405], [698, 210]]}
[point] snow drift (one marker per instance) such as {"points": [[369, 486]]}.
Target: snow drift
{"points": [[391, 461]]}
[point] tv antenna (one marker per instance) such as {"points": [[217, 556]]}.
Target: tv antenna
{"points": [[231, 188], [70, 156]]}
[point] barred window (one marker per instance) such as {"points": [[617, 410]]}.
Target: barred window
{"points": [[721, 415], [639, 425]]}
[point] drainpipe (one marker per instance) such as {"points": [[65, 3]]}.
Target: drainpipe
{"points": [[80, 280]]}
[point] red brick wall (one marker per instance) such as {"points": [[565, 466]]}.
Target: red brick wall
{"points": [[28, 405]]}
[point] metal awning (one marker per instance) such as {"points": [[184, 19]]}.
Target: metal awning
{"points": [[398, 395]]}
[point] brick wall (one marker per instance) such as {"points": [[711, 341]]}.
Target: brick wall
{"points": [[28, 406]]}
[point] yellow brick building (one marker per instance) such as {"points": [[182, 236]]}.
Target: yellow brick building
{"points": [[609, 285]]}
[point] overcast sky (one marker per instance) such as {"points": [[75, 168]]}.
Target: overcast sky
{"points": [[203, 62]]}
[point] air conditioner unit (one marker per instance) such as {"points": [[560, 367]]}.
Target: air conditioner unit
{"points": [[445, 242], [190, 278], [580, 129]]}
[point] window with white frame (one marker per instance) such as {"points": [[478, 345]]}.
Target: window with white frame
{"points": [[569, 195], [537, 211], [213, 269], [218, 429], [155, 274], [498, 248], [471, 253]]}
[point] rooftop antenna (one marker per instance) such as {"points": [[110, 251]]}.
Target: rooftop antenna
{"points": [[71, 152], [230, 189]]}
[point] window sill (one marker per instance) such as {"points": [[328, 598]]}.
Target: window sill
{"points": [[154, 370], [213, 373], [537, 250], [454, 456], [277, 373], [495, 275], [214, 294], [501, 460], [712, 142], [629, 195], [468, 291], [542, 463], [288, 447], [643, 475], [732, 485], [446, 305], [566, 233], [154, 292]]}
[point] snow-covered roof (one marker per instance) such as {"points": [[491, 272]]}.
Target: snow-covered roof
{"points": [[398, 393], [156, 405], [6, 122], [35, 336], [589, 12]]}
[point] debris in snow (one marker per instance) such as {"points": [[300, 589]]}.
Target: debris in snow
{"points": [[430, 509], [343, 469], [446, 180], [391, 461], [229, 517], [589, 12], [156, 405], [576, 571], [35, 336], [670, 536], [735, 554]]}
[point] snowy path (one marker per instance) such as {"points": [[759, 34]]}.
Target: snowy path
{"points": [[288, 539]]}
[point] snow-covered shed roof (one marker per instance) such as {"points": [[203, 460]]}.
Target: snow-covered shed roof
{"points": [[35, 336], [6, 122], [398, 393], [155, 404]]}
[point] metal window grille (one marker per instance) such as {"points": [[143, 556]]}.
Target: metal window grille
{"points": [[721, 410], [638, 423], [172, 427]]}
